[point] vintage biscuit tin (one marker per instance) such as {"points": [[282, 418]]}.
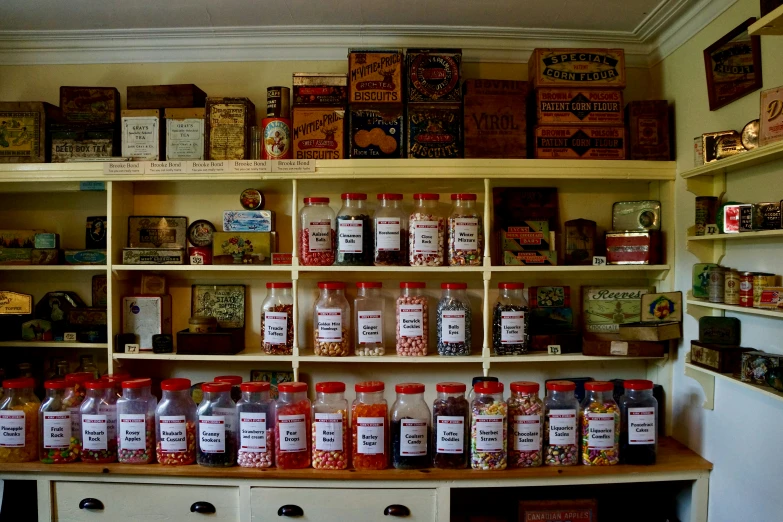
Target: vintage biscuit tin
{"points": [[756, 364], [769, 214], [90, 105], [701, 280], [434, 131], [728, 146], [141, 135], [376, 132], [45, 256], [23, 131], [200, 233], [666, 306], [549, 296], [16, 256], [100, 297], [153, 256], [157, 231], [633, 248], [18, 238], [226, 303], [636, 215], [771, 121], [375, 76], [433, 75], [720, 330], [278, 102], [320, 89], [228, 128], [575, 142], [184, 134], [720, 358], [319, 133], [76, 142], [254, 248], [248, 221], [605, 308], [85, 257], [146, 316], [648, 130], [276, 139], [710, 143], [46, 240], [580, 241], [528, 257], [495, 119], [178, 96], [576, 106], [95, 233], [200, 255], [594, 68]]}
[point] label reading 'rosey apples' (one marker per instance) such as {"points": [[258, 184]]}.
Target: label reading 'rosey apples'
{"points": [[450, 433], [411, 320], [562, 427], [133, 431]]}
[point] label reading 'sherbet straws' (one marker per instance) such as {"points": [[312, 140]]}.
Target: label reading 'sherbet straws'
{"points": [[375, 76]]}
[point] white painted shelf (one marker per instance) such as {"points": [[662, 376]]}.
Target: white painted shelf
{"points": [[52, 268], [390, 358], [392, 269], [733, 308], [771, 24], [745, 160], [240, 357], [607, 269], [698, 373], [761, 234], [540, 357], [53, 344]]}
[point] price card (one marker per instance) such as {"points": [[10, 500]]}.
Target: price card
{"points": [[618, 348], [165, 167], [69, 337], [250, 166], [206, 167], [299, 165], [123, 167], [196, 260], [554, 349], [711, 230], [131, 348], [98, 186], [599, 261]]}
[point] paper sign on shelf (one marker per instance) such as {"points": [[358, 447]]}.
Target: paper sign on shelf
{"points": [[165, 167], [98, 186], [554, 349], [206, 167], [250, 166], [123, 167], [298, 165], [599, 261], [131, 348]]}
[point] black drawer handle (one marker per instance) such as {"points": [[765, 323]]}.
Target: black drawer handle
{"points": [[91, 503], [290, 510], [205, 508], [397, 510]]}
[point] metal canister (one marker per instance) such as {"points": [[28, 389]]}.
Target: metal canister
{"points": [[278, 102], [731, 293], [717, 283], [706, 211], [760, 281], [276, 141], [746, 289]]}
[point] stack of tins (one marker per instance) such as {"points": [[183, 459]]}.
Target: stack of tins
{"points": [[276, 127], [319, 115]]}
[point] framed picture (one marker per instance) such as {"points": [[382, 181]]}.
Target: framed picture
{"points": [[733, 66], [226, 303]]}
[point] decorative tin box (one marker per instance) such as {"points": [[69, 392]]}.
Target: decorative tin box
{"points": [[376, 132], [580, 241], [771, 121], [375, 76], [184, 134], [771, 297], [549, 296], [55, 307], [146, 316], [16, 256], [153, 284], [89, 324], [527, 235], [710, 143], [604, 309], [433, 75], [15, 309], [319, 132], [99, 291], [576, 106], [37, 330], [756, 364], [434, 131], [593, 68], [91, 105], [228, 128], [253, 248], [648, 130], [248, 220], [320, 89], [495, 119], [23, 131], [95, 237], [142, 138], [46, 240], [85, 257], [720, 358], [45, 256], [226, 303], [701, 280], [153, 256], [527, 257], [661, 307], [720, 330], [18, 238], [75, 142], [165, 96], [157, 231], [633, 248], [579, 142], [224, 342]]}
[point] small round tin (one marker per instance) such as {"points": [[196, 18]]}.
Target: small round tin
{"points": [[199, 324], [252, 199], [200, 233], [200, 255], [750, 135]]}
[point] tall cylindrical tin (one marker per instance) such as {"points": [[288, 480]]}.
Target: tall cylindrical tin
{"points": [[276, 139], [717, 284], [746, 289], [731, 293], [278, 102], [706, 210]]}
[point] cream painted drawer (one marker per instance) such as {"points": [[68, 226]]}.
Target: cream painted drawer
{"points": [[341, 505], [143, 502]]}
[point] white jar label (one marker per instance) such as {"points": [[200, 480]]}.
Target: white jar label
{"points": [[425, 237], [95, 432], [453, 326], [413, 437], [319, 236], [56, 429], [330, 325], [450, 435], [387, 234], [212, 433], [527, 432], [512, 327], [562, 427], [465, 232], [489, 433], [293, 433], [641, 426], [133, 431], [275, 327], [111, 418], [600, 430], [173, 433], [329, 431], [76, 420], [252, 432], [350, 234], [370, 327], [411, 320], [369, 434]]}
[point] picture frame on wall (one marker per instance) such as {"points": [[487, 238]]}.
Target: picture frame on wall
{"points": [[733, 66]]}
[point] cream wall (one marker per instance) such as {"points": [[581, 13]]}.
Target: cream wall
{"points": [[742, 436]]}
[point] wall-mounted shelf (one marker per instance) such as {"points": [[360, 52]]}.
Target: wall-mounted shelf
{"points": [[706, 378], [690, 300], [761, 234], [771, 24], [240, 357], [53, 344], [742, 161], [53, 268]]}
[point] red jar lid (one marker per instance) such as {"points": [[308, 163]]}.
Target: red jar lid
{"points": [[560, 386], [54, 384], [409, 388], [331, 285], [353, 195], [135, 384], [330, 387], [116, 377], [369, 284], [463, 197], [638, 384], [428, 197], [255, 386], [369, 386], [279, 285], [413, 284], [292, 387], [488, 387], [453, 286], [602, 386], [215, 387], [175, 385], [79, 377], [511, 286], [450, 387], [393, 197], [98, 385], [19, 382], [310, 201], [233, 380], [524, 387]]}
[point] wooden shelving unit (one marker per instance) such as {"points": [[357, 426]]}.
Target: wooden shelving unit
{"points": [[749, 236], [771, 24], [759, 156], [706, 378], [694, 301]]}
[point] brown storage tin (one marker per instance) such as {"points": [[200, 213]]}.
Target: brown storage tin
{"points": [[227, 135], [648, 130], [165, 96], [23, 131], [577, 68], [579, 142], [92, 105], [560, 106], [495, 119]]}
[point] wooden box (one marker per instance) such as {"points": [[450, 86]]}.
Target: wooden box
{"points": [[376, 132], [184, 134], [70, 142], [648, 130], [434, 131], [222, 342], [577, 68], [578, 106], [771, 122], [647, 331], [633, 248], [569, 342], [142, 138], [319, 132], [620, 348], [663, 307], [375, 76], [320, 89], [720, 358], [558, 510], [720, 330], [165, 96], [23, 131], [495, 119], [604, 308], [91, 105], [579, 242], [228, 122], [579, 142], [433, 75]]}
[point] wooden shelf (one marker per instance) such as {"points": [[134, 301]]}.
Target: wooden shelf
{"points": [[761, 234], [52, 268], [53, 344], [734, 308], [709, 390], [240, 357], [568, 357], [583, 268], [771, 24], [392, 269], [391, 358], [745, 160]]}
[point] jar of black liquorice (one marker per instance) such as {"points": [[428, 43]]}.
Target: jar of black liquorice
{"points": [[355, 241], [450, 423], [639, 411], [410, 428], [510, 321]]}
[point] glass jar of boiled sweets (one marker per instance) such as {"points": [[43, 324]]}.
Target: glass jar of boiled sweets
{"points": [[332, 321], [390, 224], [465, 232], [510, 321], [99, 423], [330, 431], [56, 443], [370, 310], [292, 428], [175, 421], [116, 380], [235, 381], [369, 426], [136, 423], [639, 438], [410, 428], [216, 442], [526, 422], [453, 320], [354, 232], [19, 419], [426, 232], [561, 410], [277, 319], [600, 425], [450, 426], [412, 320], [489, 427], [75, 393], [256, 434], [316, 233]]}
